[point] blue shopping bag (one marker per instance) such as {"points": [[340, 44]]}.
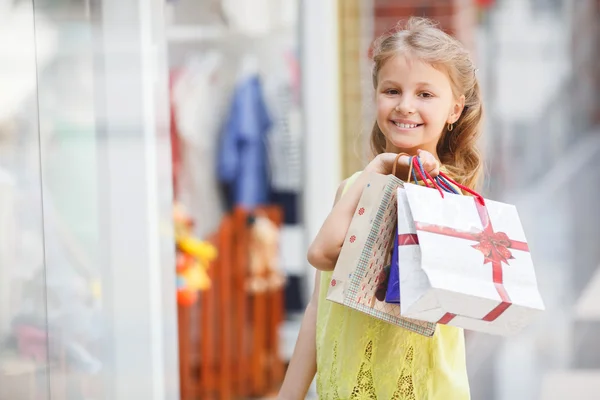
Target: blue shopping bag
{"points": [[393, 289]]}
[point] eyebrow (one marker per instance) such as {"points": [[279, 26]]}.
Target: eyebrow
{"points": [[390, 82]]}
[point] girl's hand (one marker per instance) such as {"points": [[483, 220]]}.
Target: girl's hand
{"points": [[384, 164], [429, 162]]}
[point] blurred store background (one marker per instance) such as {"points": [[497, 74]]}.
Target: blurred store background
{"points": [[164, 165]]}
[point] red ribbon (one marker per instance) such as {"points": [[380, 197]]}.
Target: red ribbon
{"points": [[495, 247], [408, 239]]}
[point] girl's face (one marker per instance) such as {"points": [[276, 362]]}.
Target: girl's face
{"points": [[414, 105]]}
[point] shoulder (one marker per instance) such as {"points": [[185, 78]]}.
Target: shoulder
{"points": [[345, 184], [349, 181], [340, 190]]}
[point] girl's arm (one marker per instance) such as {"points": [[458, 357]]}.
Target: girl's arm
{"points": [[325, 249]]}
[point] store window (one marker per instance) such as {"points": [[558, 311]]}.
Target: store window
{"points": [[87, 297]]}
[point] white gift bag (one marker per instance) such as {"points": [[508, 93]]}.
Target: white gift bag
{"points": [[464, 261]]}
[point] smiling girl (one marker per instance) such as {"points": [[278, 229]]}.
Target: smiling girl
{"points": [[428, 104]]}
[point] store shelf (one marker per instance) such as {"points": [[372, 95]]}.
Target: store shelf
{"points": [[199, 33], [193, 33]]}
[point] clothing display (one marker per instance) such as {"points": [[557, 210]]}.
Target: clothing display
{"points": [[247, 150], [289, 202], [294, 294], [237, 170], [285, 139], [199, 98], [242, 165]]}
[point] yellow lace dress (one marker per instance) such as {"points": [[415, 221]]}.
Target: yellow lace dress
{"points": [[361, 357]]}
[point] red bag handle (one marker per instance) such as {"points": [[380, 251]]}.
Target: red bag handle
{"points": [[463, 187], [416, 165]]}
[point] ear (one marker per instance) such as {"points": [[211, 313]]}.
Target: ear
{"points": [[457, 109]]}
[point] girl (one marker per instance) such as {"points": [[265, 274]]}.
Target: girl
{"points": [[428, 104]]}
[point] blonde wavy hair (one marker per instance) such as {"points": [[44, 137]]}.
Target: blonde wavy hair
{"points": [[421, 38]]}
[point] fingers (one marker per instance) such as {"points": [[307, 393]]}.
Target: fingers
{"points": [[432, 168], [385, 163], [390, 158], [429, 162]]}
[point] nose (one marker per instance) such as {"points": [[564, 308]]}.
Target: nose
{"points": [[405, 105]]}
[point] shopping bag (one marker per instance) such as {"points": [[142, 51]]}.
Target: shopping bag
{"points": [[359, 279], [393, 287], [469, 263]]}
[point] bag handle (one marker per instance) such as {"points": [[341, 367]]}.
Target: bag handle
{"points": [[466, 189], [412, 169], [441, 182], [445, 185], [416, 165], [394, 167], [438, 182]]}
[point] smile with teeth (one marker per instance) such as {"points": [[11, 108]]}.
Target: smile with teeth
{"points": [[405, 126]]}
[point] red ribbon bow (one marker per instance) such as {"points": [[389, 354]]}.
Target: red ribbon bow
{"points": [[494, 246]]}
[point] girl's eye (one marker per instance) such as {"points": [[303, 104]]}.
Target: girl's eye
{"points": [[425, 94], [392, 91]]}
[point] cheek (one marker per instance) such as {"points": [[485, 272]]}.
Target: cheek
{"points": [[384, 106], [433, 114]]}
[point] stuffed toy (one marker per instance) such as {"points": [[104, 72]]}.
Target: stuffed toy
{"points": [[265, 273], [193, 259]]}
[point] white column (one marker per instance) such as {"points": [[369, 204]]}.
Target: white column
{"points": [[136, 202], [321, 104]]}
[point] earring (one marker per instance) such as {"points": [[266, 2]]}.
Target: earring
{"points": [[450, 127]]}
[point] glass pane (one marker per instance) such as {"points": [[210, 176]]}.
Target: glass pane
{"points": [[24, 347], [107, 201], [69, 176]]}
